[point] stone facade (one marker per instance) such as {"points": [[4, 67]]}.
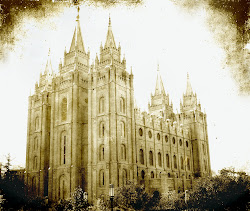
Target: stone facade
{"points": [[84, 129]]}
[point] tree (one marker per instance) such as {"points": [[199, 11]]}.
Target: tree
{"points": [[230, 190], [134, 196]]}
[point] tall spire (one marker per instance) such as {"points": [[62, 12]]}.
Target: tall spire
{"points": [[110, 41], [77, 41], [159, 88], [189, 90], [48, 68]]}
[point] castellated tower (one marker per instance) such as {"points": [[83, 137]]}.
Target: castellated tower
{"points": [[84, 130]]}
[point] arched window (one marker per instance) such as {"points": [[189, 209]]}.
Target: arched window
{"points": [[102, 178], [151, 160], [142, 174], [159, 159], [173, 140], [158, 136], [169, 175], [101, 153], [101, 130], [35, 163], [122, 129], [180, 142], [33, 185], [35, 144], [63, 148], [64, 109], [205, 165], [187, 144], [141, 156], [175, 162], [182, 163], [101, 105], [188, 164], [62, 189], [149, 134], [122, 105], [152, 174], [167, 161], [166, 139], [37, 123], [124, 177], [123, 152]]}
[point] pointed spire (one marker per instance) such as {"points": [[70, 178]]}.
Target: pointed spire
{"points": [[159, 88], [110, 41], [77, 41], [48, 68], [189, 90]]}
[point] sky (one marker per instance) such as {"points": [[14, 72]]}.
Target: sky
{"points": [[149, 34]]}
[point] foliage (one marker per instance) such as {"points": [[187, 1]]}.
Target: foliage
{"points": [[230, 190], [77, 202], [134, 196]]}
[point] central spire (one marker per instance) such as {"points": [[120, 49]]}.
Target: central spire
{"points": [[77, 41], [189, 90], [110, 41], [159, 88]]}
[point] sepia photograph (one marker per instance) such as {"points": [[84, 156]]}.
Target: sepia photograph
{"points": [[125, 105]]}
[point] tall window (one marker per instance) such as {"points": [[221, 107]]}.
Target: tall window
{"points": [[35, 163], [62, 188], [102, 178], [63, 149], [182, 163], [122, 129], [141, 156], [101, 130], [167, 161], [188, 164], [64, 109], [101, 152], [143, 174], [37, 123], [33, 185], [123, 152], [35, 144], [101, 105], [124, 177], [175, 162], [151, 160], [152, 174], [122, 105], [159, 159]]}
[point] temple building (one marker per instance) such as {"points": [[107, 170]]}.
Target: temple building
{"points": [[85, 130]]}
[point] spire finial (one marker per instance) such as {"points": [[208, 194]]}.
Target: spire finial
{"points": [[78, 10], [187, 75], [109, 20], [158, 67]]}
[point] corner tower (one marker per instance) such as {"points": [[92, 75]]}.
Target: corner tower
{"points": [[69, 122], [193, 118], [111, 120]]}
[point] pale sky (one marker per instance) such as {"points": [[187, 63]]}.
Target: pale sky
{"points": [[149, 34]]}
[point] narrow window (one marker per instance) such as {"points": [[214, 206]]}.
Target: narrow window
{"points": [[123, 152], [173, 140], [188, 164], [151, 161], [101, 153], [175, 162], [167, 161], [122, 105], [64, 149], [141, 155], [122, 129], [64, 109], [37, 123], [102, 178], [152, 174], [143, 174], [102, 130], [101, 105], [159, 159], [124, 177], [182, 163]]}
